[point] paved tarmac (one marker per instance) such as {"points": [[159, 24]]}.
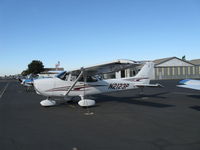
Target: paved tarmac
{"points": [[159, 119]]}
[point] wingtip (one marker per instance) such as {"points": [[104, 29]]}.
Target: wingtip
{"points": [[184, 81]]}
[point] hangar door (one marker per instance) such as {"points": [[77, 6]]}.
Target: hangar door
{"points": [[177, 72]]}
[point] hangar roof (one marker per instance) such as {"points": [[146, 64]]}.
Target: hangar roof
{"points": [[172, 61], [158, 61], [195, 61]]}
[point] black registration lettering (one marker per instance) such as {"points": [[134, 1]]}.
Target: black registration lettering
{"points": [[118, 86]]}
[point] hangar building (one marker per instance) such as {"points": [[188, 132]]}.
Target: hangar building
{"points": [[175, 68], [196, 61], [166, 68]]}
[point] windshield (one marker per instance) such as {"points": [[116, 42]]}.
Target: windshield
{"points": [[63, 75]]}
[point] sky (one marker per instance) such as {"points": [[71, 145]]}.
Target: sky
{"points": [[84, 32]]}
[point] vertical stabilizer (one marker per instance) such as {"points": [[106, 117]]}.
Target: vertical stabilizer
{"points": [[146, 72]]}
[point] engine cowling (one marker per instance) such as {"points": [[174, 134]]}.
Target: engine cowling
{"points": [[86, 102]]}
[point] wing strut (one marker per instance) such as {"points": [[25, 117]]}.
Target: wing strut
{"points": [[82, 70]]}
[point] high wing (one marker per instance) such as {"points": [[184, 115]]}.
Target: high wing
{"points": [[108, 67], [191, 84]]}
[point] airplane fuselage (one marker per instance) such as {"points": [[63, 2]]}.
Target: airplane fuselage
{"points": [[57, 87]]}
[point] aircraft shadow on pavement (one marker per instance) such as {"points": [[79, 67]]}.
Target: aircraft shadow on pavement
{"points": [[194, 96], [134, 100], [196, 107]]}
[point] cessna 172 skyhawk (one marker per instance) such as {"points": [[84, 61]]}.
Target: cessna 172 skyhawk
{"points": [[87, 81]]}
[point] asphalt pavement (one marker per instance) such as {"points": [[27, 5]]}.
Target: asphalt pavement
{"points": [[153, 119]]}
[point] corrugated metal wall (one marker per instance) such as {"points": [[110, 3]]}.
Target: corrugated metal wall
{"points": [[177, 72]]}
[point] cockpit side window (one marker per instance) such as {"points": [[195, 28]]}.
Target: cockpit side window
{"points": [[91, 79], [88, 79], [73, 78], [67, 76]]}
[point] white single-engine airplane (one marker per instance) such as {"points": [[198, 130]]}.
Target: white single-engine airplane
{"points": [[87, 81], [190, 84]]}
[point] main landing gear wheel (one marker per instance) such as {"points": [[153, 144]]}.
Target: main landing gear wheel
{"points": [[48, 102], [86, 103]]}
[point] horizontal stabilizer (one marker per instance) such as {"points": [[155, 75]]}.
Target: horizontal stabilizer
{"points": [[157, 85]]}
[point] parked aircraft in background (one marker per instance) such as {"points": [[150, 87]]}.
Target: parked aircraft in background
{"points": [[189, 83], [28, 80], [87, 81]]}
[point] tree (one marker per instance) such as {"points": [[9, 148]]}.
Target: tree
{"points": [[35, 67], [25, 72]]}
